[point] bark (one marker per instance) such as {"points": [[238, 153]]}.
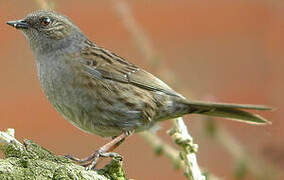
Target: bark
{"points": [[33, 162]]}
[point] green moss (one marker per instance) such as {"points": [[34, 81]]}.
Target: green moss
{"points": [[114, 170], [12, 150], [32, 162]]}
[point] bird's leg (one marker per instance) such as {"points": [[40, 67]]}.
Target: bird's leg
{"points": [[103, 151]]}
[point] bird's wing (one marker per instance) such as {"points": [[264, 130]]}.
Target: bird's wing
{"points": [[103, 64]]}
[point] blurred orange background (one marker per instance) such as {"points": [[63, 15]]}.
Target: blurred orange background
{"points": [[231, 51]]}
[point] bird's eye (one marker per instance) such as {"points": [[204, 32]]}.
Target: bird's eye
{"points": [[46, 21]]}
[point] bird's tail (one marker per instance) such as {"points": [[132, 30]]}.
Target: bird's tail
{"points": [[229, 111]]}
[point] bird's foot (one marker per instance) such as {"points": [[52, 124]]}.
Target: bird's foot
{"points": [[91, 161], [102, 154], [78, 160]]}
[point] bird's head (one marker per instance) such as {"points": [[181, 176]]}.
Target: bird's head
{"points": [[47, 28]]}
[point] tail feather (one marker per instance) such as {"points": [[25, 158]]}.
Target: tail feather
{"points": [[229, 111]]}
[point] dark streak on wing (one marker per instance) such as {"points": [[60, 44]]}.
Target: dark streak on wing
{"points": [[110, 66]]}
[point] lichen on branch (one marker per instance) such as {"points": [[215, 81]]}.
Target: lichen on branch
{"points": [[31, 161]]}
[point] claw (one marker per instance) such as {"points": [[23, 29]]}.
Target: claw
{"points": [[78, 160], [91, 161], [102, 154]]}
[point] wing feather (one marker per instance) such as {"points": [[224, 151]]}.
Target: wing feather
{"points": [[102, 64]]}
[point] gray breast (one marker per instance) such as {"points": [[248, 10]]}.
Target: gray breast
{"points": [[77, 104]]}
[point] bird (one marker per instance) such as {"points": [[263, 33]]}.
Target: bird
{"points": [[102, 93]]}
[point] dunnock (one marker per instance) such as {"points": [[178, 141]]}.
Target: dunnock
{"points": [[102, 93]]}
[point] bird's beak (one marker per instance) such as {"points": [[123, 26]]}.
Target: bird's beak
{"points": [[20, 24]]}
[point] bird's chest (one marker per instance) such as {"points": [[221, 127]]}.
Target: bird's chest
{"points": [[62, 88], [56, 80], [60, 84]]}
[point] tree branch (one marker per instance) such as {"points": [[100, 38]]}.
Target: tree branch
{"points": [[31, 161], [184, 140]]}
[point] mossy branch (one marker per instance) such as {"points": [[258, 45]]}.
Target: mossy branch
{"points": [[188, 151], [31, 161]]}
